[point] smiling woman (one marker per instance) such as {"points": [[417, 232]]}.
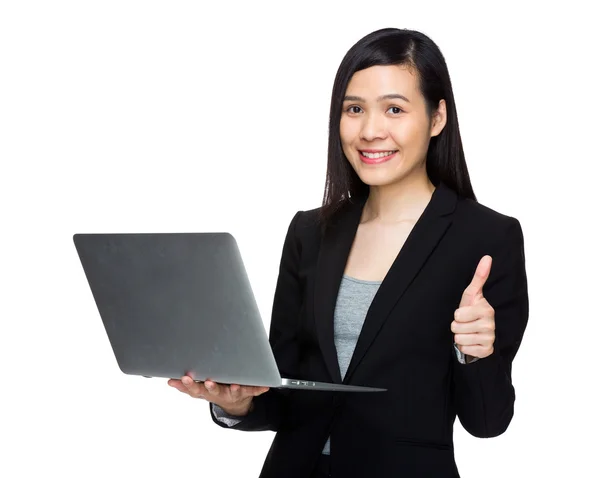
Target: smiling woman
{"points": [[392, 92], [389, 284], [388, 127]]}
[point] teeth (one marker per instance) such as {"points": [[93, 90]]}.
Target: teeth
{"points": [[377, 155]]}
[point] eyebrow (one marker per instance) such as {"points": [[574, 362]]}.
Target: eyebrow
{"points": [[391, 96]]}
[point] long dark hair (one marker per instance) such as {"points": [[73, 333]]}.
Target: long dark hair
{"points": [[445, 156]]}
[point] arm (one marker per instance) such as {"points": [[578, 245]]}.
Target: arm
{"points": [[483, 390], [267, 409]]}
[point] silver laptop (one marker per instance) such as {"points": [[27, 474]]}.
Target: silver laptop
{"points": [[181, 303]]}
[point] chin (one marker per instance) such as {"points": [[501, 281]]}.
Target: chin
{"points": [[377, 178]]}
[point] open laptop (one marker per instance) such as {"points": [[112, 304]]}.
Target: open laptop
{"points": [[181, 303]]}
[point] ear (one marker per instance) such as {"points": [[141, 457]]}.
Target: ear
{"points": [[438, 120]]}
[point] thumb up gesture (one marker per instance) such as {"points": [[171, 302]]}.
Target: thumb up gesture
{"points": [[474, 322]]}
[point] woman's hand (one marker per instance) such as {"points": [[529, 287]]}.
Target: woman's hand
{"points": [[235, 400], [474, 321]]}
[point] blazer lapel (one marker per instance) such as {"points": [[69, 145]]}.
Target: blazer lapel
{"points": [[420, 243], [333, 255]]}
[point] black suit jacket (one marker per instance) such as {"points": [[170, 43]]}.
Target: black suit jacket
{"points": [[405, 346]]}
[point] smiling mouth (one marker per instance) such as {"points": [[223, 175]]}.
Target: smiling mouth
{"points": [[376, 158], [380, 154]]}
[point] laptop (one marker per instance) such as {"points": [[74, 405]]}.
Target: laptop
{"points": [[181, 303]]}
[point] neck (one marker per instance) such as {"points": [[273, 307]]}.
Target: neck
{"points": [[404, 200]]}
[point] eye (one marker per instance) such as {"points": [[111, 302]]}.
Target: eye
{"points": [[397, 110], [349, 109]]}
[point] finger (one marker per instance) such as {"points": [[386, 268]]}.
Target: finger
{"points": [[178, 385], [195, 389], [475, 289], [478, 351], [250, 391], [188, 386], [235, 391], [482, 325], [260, 390], [246, 391], [481, 310], [464, 327], [470, 339], [213, 387], [467, 313]]}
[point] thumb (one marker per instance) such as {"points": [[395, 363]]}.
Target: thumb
{"points": [[475, 289]]}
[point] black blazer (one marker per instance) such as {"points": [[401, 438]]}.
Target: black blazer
{"points": [[405, 346]]}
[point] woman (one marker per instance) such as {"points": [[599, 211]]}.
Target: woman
{"points": [[401, 280]]}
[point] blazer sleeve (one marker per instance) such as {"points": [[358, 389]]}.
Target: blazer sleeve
{"points": [[483, 392], [268, 408]]}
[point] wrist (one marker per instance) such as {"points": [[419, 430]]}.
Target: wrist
{"points": [[239, 411]]}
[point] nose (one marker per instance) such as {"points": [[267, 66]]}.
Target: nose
{"points": [[373, 127]]}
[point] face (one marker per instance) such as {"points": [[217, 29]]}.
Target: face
{"points": [[384, 128]]}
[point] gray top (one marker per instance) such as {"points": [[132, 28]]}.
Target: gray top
{"points": [[353, 302]]}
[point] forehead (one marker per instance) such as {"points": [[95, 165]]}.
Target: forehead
{"points": [[383, 79]]}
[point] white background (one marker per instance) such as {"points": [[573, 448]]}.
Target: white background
{"points": [[136, 116]]}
